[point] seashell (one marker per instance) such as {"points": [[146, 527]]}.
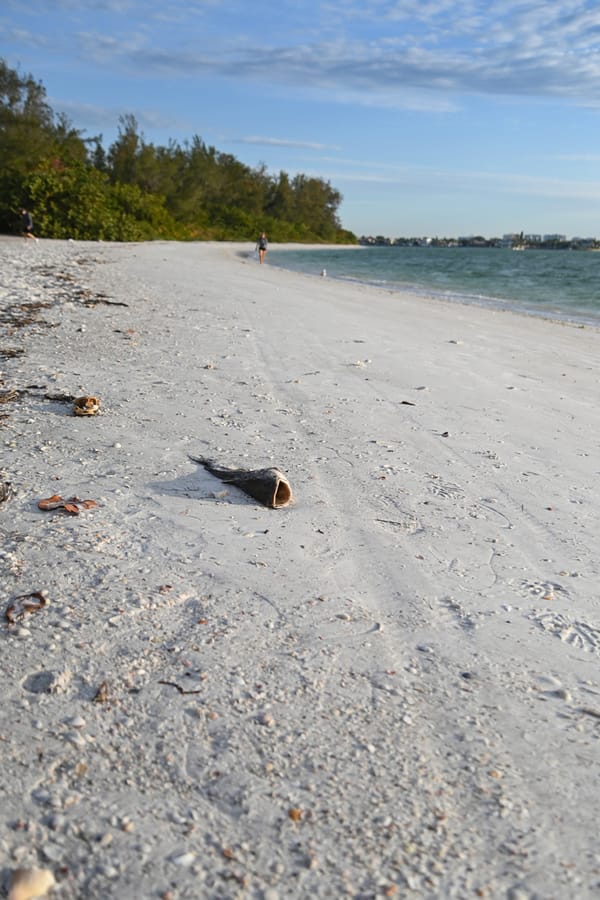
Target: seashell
{"points": [[269, 486], [25, 603], [26, 884], [183, 859], [71, 506], [86, 406], [53, 502], [6, 491]]}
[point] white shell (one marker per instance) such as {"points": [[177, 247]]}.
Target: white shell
{"points": [[26, 884]]}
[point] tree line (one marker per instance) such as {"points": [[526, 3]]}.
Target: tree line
{"points": [[135, 190]]}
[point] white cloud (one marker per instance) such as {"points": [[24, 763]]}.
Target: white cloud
{"points": [[519, 48], [284, 142], [104, 117], [410, 54], [473, 182]]}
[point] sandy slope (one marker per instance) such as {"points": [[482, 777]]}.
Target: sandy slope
{"points": [[389, 688]]}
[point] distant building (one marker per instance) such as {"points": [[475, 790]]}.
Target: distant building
{"points": [[514, 240]]}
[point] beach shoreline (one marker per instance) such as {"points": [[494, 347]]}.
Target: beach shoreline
{"points": [[549, 284], [388, 688]]}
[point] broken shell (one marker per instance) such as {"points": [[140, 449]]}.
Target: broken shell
{"points": [[266, 719], [86, 406], [6, 491], [25, 884], [102, 694], [24, 603], [53, 502], [183, 859], [71, 506]]}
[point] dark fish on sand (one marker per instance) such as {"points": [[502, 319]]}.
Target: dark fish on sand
{"points": [[269, 486]]}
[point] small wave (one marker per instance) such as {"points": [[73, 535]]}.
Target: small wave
{"points": [[545, 284]]}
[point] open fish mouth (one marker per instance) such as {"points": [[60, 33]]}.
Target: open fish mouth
{"points": [[269, 486]]}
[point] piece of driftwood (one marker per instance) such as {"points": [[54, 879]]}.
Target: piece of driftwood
{"points": [[269, 486]]}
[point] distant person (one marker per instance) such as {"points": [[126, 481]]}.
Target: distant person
{"points": [[27, 225], [261, 246]]}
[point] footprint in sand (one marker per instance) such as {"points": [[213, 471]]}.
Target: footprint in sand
{"points": [[544, 589], [403, 524], [577, 634], [447, 491], [452, 609]]}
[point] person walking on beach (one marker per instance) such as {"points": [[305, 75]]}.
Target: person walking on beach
{"points": [[27, 224], [261, 246]]}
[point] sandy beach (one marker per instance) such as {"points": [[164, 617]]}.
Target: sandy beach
{"points": [[388, 688]]}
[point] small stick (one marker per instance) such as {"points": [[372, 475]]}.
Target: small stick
{"points": [[179, 688]]}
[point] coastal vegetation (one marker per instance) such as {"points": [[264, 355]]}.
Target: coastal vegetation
{"points": [[510, 241], [135, 190]]}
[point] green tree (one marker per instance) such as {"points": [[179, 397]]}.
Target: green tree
{"points": [[281, 200], [138, 191], [27, 136], [123, 153]]}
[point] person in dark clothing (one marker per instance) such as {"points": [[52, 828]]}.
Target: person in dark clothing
{"points": [[27, 225], [261, 246]]}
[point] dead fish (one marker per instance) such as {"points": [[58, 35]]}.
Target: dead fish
{"points": [[269, 486]]}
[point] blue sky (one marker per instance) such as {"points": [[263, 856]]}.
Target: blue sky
{"points": [[431, 117]]}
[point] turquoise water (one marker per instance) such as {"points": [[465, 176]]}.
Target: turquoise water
{"points": [[559, 284]]}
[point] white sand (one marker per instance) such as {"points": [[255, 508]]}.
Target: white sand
{"points": [[390, 688]]}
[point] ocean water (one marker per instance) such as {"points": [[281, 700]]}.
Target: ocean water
{"points": [[558, 284]]}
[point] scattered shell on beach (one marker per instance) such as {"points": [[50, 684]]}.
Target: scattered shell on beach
{"points": [[266, 719], [26, 884], [183, 859], [86, 406], [71, 506], [6, 491], [9, 396], [23, 604], [102, 694]]}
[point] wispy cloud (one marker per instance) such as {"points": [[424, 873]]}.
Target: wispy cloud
{"points": [[284, 142], [107, 117], [593, 158], [389, 53], [472, 182], [439, 48]]}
